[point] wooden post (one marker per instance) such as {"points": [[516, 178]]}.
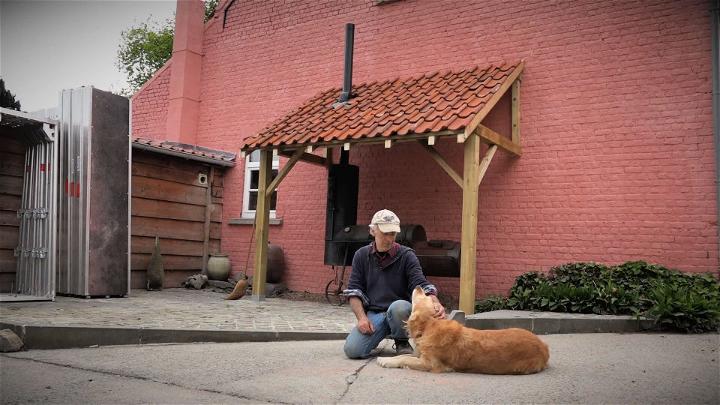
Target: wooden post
{"points": [[516, 112], [262, 219], [206, 228], [468, 259]]}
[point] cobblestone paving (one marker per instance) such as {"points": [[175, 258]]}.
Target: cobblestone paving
{"points": [[180, 308]]}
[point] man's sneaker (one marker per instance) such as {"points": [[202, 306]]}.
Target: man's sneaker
{"points": [[403, 347]]}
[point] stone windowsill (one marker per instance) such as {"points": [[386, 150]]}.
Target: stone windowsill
{"points": [[251, 221]]}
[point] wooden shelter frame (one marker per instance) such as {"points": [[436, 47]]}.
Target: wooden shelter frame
{"points": [[474, 169]]}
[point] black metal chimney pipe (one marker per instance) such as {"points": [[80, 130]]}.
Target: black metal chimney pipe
{"points": [[347, 81]]}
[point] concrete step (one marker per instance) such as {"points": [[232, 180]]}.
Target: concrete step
{"points": [[543, 323]]}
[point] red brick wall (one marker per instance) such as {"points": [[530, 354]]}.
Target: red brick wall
{"points": [[616, 127], [150, 106]]}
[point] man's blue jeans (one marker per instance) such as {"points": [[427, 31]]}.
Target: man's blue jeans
{"points": [[387, 324]]}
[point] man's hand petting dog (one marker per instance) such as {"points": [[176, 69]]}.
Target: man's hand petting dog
{"points": [[438, 307]]}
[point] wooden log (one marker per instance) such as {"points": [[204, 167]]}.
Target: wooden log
{"points": [[10, 202], [169, 174], [11, 164], [6, 281], [172, 229], [9, 218], [156, 189], [142, 207], [8, 261], [9, 237], [12, 145], [144, 244], [11, 185]]}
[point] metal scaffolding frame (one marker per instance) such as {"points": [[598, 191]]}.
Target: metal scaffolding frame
{"points": [[37, 240]]}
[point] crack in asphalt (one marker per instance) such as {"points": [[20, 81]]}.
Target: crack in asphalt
{"points": [[349, 380], [115, 374]]}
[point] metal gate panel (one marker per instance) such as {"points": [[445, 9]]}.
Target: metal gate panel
{"points": [[35, 251]]}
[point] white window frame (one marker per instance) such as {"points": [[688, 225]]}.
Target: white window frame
{"points": [[251, 166]]}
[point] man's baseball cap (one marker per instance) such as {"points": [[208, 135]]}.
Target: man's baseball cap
{"points": [[386, 221]]}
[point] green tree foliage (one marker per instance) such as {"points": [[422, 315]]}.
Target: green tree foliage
{"points": [[146, 47], [210, 6], [143, 50], [7, 99]]}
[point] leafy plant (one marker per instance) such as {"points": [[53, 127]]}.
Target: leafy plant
{"points": [[7, 99], [675, 300], [146, 47], [143, 50]]}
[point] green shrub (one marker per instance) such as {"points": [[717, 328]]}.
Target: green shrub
{"points": [[675, 300], [684, 307]]}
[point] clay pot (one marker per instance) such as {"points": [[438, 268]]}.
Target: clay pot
{"points": [[276, 264], [218, 267]]}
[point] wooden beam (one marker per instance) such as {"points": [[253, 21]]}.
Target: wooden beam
{"points": [[470, 128], [262, 219], [468, 242], [328, 157], [443, 163], [493, 138], [305, 157], [486, 162], [284, 171], [206, 228], [516, 112]]}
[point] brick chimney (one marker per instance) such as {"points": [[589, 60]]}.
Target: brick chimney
{"points": [[184, 103]]}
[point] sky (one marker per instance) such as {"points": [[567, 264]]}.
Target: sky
{"points": [[50, 45]]}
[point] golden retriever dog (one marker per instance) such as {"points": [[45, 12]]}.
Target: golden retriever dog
{"points": [[445, 345]]}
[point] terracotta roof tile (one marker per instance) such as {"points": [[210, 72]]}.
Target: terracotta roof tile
{"points": [[426, 104]]}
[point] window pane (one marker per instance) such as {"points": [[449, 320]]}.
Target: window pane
{"points": [[273, 200], [274, 174], [254, 179], [252, 202], [255, 156]]}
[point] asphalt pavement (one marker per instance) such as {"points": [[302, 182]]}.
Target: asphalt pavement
{"points": [[642, 368]]}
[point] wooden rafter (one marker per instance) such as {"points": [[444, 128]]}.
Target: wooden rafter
{"points": [[285, 170], [470, 128], [443, 163], [485, 163], [305, 157], [489, 136]]}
